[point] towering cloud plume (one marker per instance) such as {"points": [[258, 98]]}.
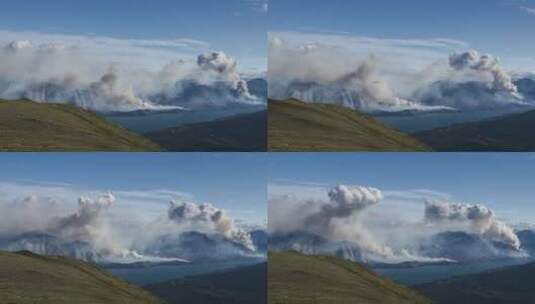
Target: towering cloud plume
{"points": [[81, 224], [480, 219], [352, 224], [487, 63], [207, 218], [64, 74], [337, 219]]}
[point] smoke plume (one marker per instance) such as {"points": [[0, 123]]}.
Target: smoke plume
{"points": [[350, 222], [315, 73], [208, 218], [63, 74], [95, 232], [480, 220], [371, 79], [473, 61]]}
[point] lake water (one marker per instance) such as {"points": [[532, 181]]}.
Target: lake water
{"points": [[425, 274], [148, 122], [155, 274], [427, 121]]}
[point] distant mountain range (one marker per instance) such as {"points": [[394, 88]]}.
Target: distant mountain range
{"points": [[197, 246], [244, 285], [30, 126], [28, 278], [191, 246], [299, 126], [452, 245], [511, 285], [507, 133], [465, 247], [312, 244], [45, 244], [294, 278], [258, 87], [526, 87], [243, 133]]}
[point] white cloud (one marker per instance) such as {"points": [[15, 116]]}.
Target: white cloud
{"points": [[529, 10], [154, 53], [261, 6]]}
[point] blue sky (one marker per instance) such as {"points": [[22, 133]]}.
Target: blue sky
{"points": [[500, 27], [237, 27], [502, 181], [235, 182]]}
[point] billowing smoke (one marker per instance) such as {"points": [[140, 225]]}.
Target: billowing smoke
{"points": [[207, 217], [313, 73], [372, 79], [472, 81], [340, 219], [57, 73], [351, 223], [345, 201], [473, 61], [84, 224], [95, 232], [480, 220]]}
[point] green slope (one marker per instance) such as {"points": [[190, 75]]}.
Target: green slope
{"points": [[26, 278], [294, 279], [299, 126], [509, 133], [511, 285], [245, 285], [30, 126], [241, 133]]}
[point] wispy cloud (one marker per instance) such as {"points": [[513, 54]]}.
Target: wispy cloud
{"points": [[155, 52], [418, 52], [529, 10], [142, 203], [261, 6]]}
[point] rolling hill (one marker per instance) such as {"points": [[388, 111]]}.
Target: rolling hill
{"points": [[31, 126], [511, 285], [241, 133], [245, 285], [299, 126], [294, 278], [29, 278], [508, 133]]}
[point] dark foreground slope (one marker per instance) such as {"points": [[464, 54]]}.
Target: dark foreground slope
{"points": [[29, 278], [294, 278], [511, 285], [299, 126], [30, 126], [243, 133], [246, 285], [509, 133]]}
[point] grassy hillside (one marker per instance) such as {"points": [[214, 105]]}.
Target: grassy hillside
{"points": [[26, 278], [294, 279], [511, 285], [299, 126], [30, 126], [244, 133], [246, 285], [508, 133]]}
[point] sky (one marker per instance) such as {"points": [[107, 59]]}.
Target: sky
{"points": [[501, 181], [143, 181], [237, 27], [500, 27]]}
